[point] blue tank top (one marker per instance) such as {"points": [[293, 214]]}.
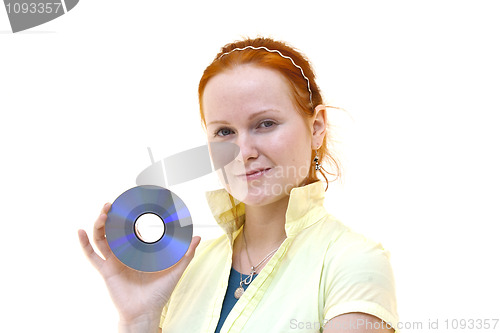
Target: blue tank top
{"points": [[229, 299]]}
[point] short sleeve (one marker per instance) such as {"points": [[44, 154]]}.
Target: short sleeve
{"points": [[358, 277]]}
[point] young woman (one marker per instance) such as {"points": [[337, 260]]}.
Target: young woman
{"points": [[284, 264]]}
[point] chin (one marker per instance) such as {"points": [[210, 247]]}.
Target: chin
{"points": [[261, 200], [258, 194]]}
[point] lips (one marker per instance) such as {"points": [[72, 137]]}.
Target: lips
{"points": [[252, 172], [255, 173]]}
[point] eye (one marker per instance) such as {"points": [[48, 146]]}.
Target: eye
{"points": [[267, 123], [223, 132]]}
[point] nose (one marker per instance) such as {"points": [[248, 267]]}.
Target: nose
{"points": [[248, 148]]}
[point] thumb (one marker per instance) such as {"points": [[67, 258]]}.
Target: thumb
{"points": [[195, 241], [188, 256]]}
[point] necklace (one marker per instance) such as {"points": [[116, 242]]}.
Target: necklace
{"points": [[253, 269]]}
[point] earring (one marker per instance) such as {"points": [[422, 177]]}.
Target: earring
{"points": [[316, 161]]}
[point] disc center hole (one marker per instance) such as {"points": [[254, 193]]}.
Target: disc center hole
{"points": [[149, 228]]}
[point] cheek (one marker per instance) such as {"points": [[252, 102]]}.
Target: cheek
{"points": [[290, 149], [293, 134]]}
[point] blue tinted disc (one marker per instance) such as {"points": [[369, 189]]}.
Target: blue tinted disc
{"points": [[133, 252]]}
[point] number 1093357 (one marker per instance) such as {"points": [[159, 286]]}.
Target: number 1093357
{"points": [[34, 8]]}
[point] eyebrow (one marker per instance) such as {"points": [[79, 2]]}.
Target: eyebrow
{"points": [[254, 115]]}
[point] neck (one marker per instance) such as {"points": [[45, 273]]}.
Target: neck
{"points": [[265, 225]]}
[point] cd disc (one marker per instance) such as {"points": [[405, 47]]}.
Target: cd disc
{"points": [[127, 243]]}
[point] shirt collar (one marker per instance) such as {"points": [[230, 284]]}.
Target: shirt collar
{"points": [[305, 207]]}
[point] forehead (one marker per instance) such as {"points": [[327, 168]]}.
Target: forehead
{"points": [[246, 89]]}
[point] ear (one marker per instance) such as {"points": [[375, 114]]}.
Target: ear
{"points": [[319, 126]]}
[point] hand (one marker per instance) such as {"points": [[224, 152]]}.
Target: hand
{"points": [[136, 295]]}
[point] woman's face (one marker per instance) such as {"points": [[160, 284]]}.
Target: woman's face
{"points": [[252, 107]]}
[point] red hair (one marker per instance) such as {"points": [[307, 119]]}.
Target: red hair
{"points": [[227, 60]]}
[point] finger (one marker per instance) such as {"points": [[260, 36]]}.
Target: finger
{"points": [[105, 208], [93, 257], [186, 259], [100, 236], [195, 241]]}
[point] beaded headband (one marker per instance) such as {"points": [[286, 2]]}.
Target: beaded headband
{"points": [[281, 55]]}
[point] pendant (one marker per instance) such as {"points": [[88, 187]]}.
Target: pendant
{"points": [[239, 292]]}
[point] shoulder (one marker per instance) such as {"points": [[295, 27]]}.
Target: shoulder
{"points": [[349, 253], [341, 244], [353, 248], [357, 275], [337, 240], [345, 256]]}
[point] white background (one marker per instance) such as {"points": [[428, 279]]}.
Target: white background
{"points": [[82, 97]]}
